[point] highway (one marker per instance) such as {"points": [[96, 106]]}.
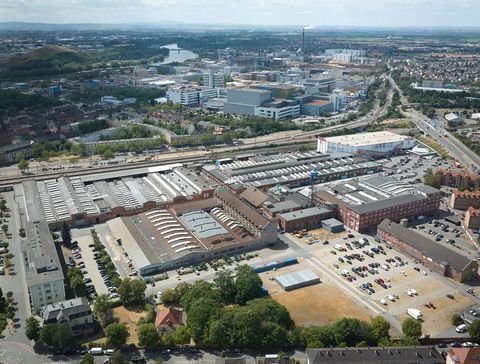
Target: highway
{"points": [[434, 129]]}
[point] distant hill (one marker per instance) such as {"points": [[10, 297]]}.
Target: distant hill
{"points": [[43, 54], [45, 61]]}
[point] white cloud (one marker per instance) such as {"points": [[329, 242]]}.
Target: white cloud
{"points": [[320, 12]]}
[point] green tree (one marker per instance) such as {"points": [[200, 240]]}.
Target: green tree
{"points": [[199, 314], [19, 157], [248, 284], [87, 359], [117, 335], [200, 289], [132, 291], [148, 335], [181, 336], [412, 328], [66, 234], [32, 328], [226, 285], [474, 330], [380, 328], [117, 358], [47, 335], [433, 180], [58, 336], [75, 278], [23, 165], [5, 228], [102, 308], [456, 319], [219, 334], [352, 331], [64, 336], [169, 297], [108, 154]]}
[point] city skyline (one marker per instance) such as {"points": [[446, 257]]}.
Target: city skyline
{"points": [[369, 13]]}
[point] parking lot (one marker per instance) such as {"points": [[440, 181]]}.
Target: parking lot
{"points": [[391, 282], [93, 271]]}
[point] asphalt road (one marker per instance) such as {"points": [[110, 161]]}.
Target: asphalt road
{"points": [[432, 128]]}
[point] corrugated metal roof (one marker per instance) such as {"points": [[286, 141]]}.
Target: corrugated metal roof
{"points": [[292, 279]]}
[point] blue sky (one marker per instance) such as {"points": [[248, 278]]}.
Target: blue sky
{"points": [[268, 12]]}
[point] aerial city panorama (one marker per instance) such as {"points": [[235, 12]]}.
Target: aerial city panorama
{"points": [[239, 182]]}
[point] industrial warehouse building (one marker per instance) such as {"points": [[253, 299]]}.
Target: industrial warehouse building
{"points": [[379, 144], [295, 280], [188, 233], [95, 198], [309, 218], [362, 204], [433, 255], [333, 225], [288, 169]]}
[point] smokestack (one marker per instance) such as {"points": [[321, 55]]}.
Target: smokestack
{"points": [[303, 40]]}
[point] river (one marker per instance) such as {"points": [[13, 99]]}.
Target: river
{"points": [[176, 55]]}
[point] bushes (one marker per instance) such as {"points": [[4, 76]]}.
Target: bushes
{"points": [[456, 319]]}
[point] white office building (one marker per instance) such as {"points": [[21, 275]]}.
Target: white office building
{"points": [[278, 113], [213, 79], [337, 98], [191, 96]]}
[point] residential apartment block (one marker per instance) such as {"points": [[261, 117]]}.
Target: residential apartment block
{"points": [[462, 200], [43, 271], [75, 312], [472, 218]]}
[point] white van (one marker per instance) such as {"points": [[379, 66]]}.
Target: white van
{"points": [[96, 351], [461, 328]]}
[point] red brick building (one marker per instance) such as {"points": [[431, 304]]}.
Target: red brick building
{"points": [[362, 217], [462, 200], [433, 255], [456, 179], [472, 218]]}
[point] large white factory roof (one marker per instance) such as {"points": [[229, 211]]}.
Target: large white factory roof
{"points": [[378, 137]]}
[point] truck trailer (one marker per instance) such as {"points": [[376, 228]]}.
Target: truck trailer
{"points": [[416, 314]]}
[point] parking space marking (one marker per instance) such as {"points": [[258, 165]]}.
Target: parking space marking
{"points": [[2, 352]]}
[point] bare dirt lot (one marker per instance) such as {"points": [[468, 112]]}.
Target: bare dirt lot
{"points": [[129, 318], [324, 234], [320, 304]]}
